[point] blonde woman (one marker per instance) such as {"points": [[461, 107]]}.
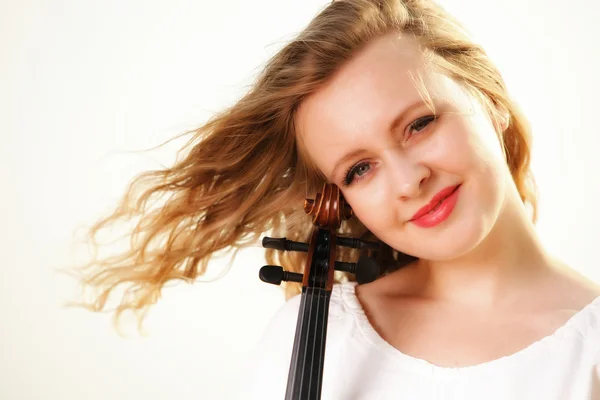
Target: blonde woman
{"points": [[391, 101]]}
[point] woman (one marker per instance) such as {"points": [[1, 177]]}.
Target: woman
{"points": [[391, 101]]}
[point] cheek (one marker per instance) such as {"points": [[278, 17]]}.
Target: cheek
{"points": [[371, 210], [374, 209], [486, 167], [469, 150], [451, 149], [448, 151], [468, 146], [484, 139]]}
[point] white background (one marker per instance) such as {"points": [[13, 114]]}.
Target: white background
{"points": [[83, 82]]}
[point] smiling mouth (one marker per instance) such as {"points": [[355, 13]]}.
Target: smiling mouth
{"points": [[429, 216], [441, 196]]}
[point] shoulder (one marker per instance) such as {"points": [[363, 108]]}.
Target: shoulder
{"points": [[344, 302], [578, 302], [573, 297]]}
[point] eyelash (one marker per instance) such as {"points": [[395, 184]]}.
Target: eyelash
{"points": [[350, 172]]}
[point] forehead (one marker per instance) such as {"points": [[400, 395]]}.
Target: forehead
{"points": [[385, 68], [365, 95]]}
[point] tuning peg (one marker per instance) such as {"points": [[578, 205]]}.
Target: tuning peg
{"points": [[283, 244], [356, 243], [275, 274], [366, 269], [289, 245]]}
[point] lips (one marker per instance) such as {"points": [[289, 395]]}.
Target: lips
{"points": [[435, 202]]}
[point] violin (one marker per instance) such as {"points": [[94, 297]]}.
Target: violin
{"points": [[327, 210]]}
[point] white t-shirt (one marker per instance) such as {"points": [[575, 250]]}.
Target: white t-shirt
{"points": [[361, 365]]}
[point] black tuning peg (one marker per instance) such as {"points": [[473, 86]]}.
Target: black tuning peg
{"points": [[289, 245], [275, 274], [366, 269], [283, 244], [356, 243]]}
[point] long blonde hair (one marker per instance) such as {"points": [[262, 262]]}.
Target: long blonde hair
{"points": [[242, 173]]}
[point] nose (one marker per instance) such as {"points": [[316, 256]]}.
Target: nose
{"points": [[408, 177]]}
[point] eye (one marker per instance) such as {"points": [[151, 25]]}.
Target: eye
{"points": [[421, 123], [356, 169], [359, 169]]}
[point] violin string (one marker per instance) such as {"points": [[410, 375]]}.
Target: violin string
{"points": [[318, 350], [290, 394], [308, 328], [316, 340], [311, 356], [309, 300], [324, 313], [321, 349], [312, 292], [312, 352], [309, 292], [323, 274]]}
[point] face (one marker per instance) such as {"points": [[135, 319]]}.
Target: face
{"points": [[401, 154]]}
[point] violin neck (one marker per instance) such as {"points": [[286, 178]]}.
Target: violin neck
{"points": [[308, 356]]}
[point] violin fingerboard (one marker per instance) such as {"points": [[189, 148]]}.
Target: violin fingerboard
{"points": [[308, 356]]}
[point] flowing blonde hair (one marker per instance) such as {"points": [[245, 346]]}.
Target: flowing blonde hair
{"points": [[242, 174]]}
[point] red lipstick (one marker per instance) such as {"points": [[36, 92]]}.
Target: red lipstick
{"points": [[438, 209]]}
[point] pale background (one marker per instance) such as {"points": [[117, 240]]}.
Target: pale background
{"points": [[82, 82]]}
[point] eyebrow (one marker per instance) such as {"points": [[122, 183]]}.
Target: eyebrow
{"points": [[393, 126]]}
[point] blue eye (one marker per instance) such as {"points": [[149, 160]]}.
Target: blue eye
{"points": [[351, 172], [422, 122], [415, 127]]}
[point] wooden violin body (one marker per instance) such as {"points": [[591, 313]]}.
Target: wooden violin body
{"points": [[327, 210]]}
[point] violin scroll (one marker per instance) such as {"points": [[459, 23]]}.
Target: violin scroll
{"points": [[327, 210]]}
